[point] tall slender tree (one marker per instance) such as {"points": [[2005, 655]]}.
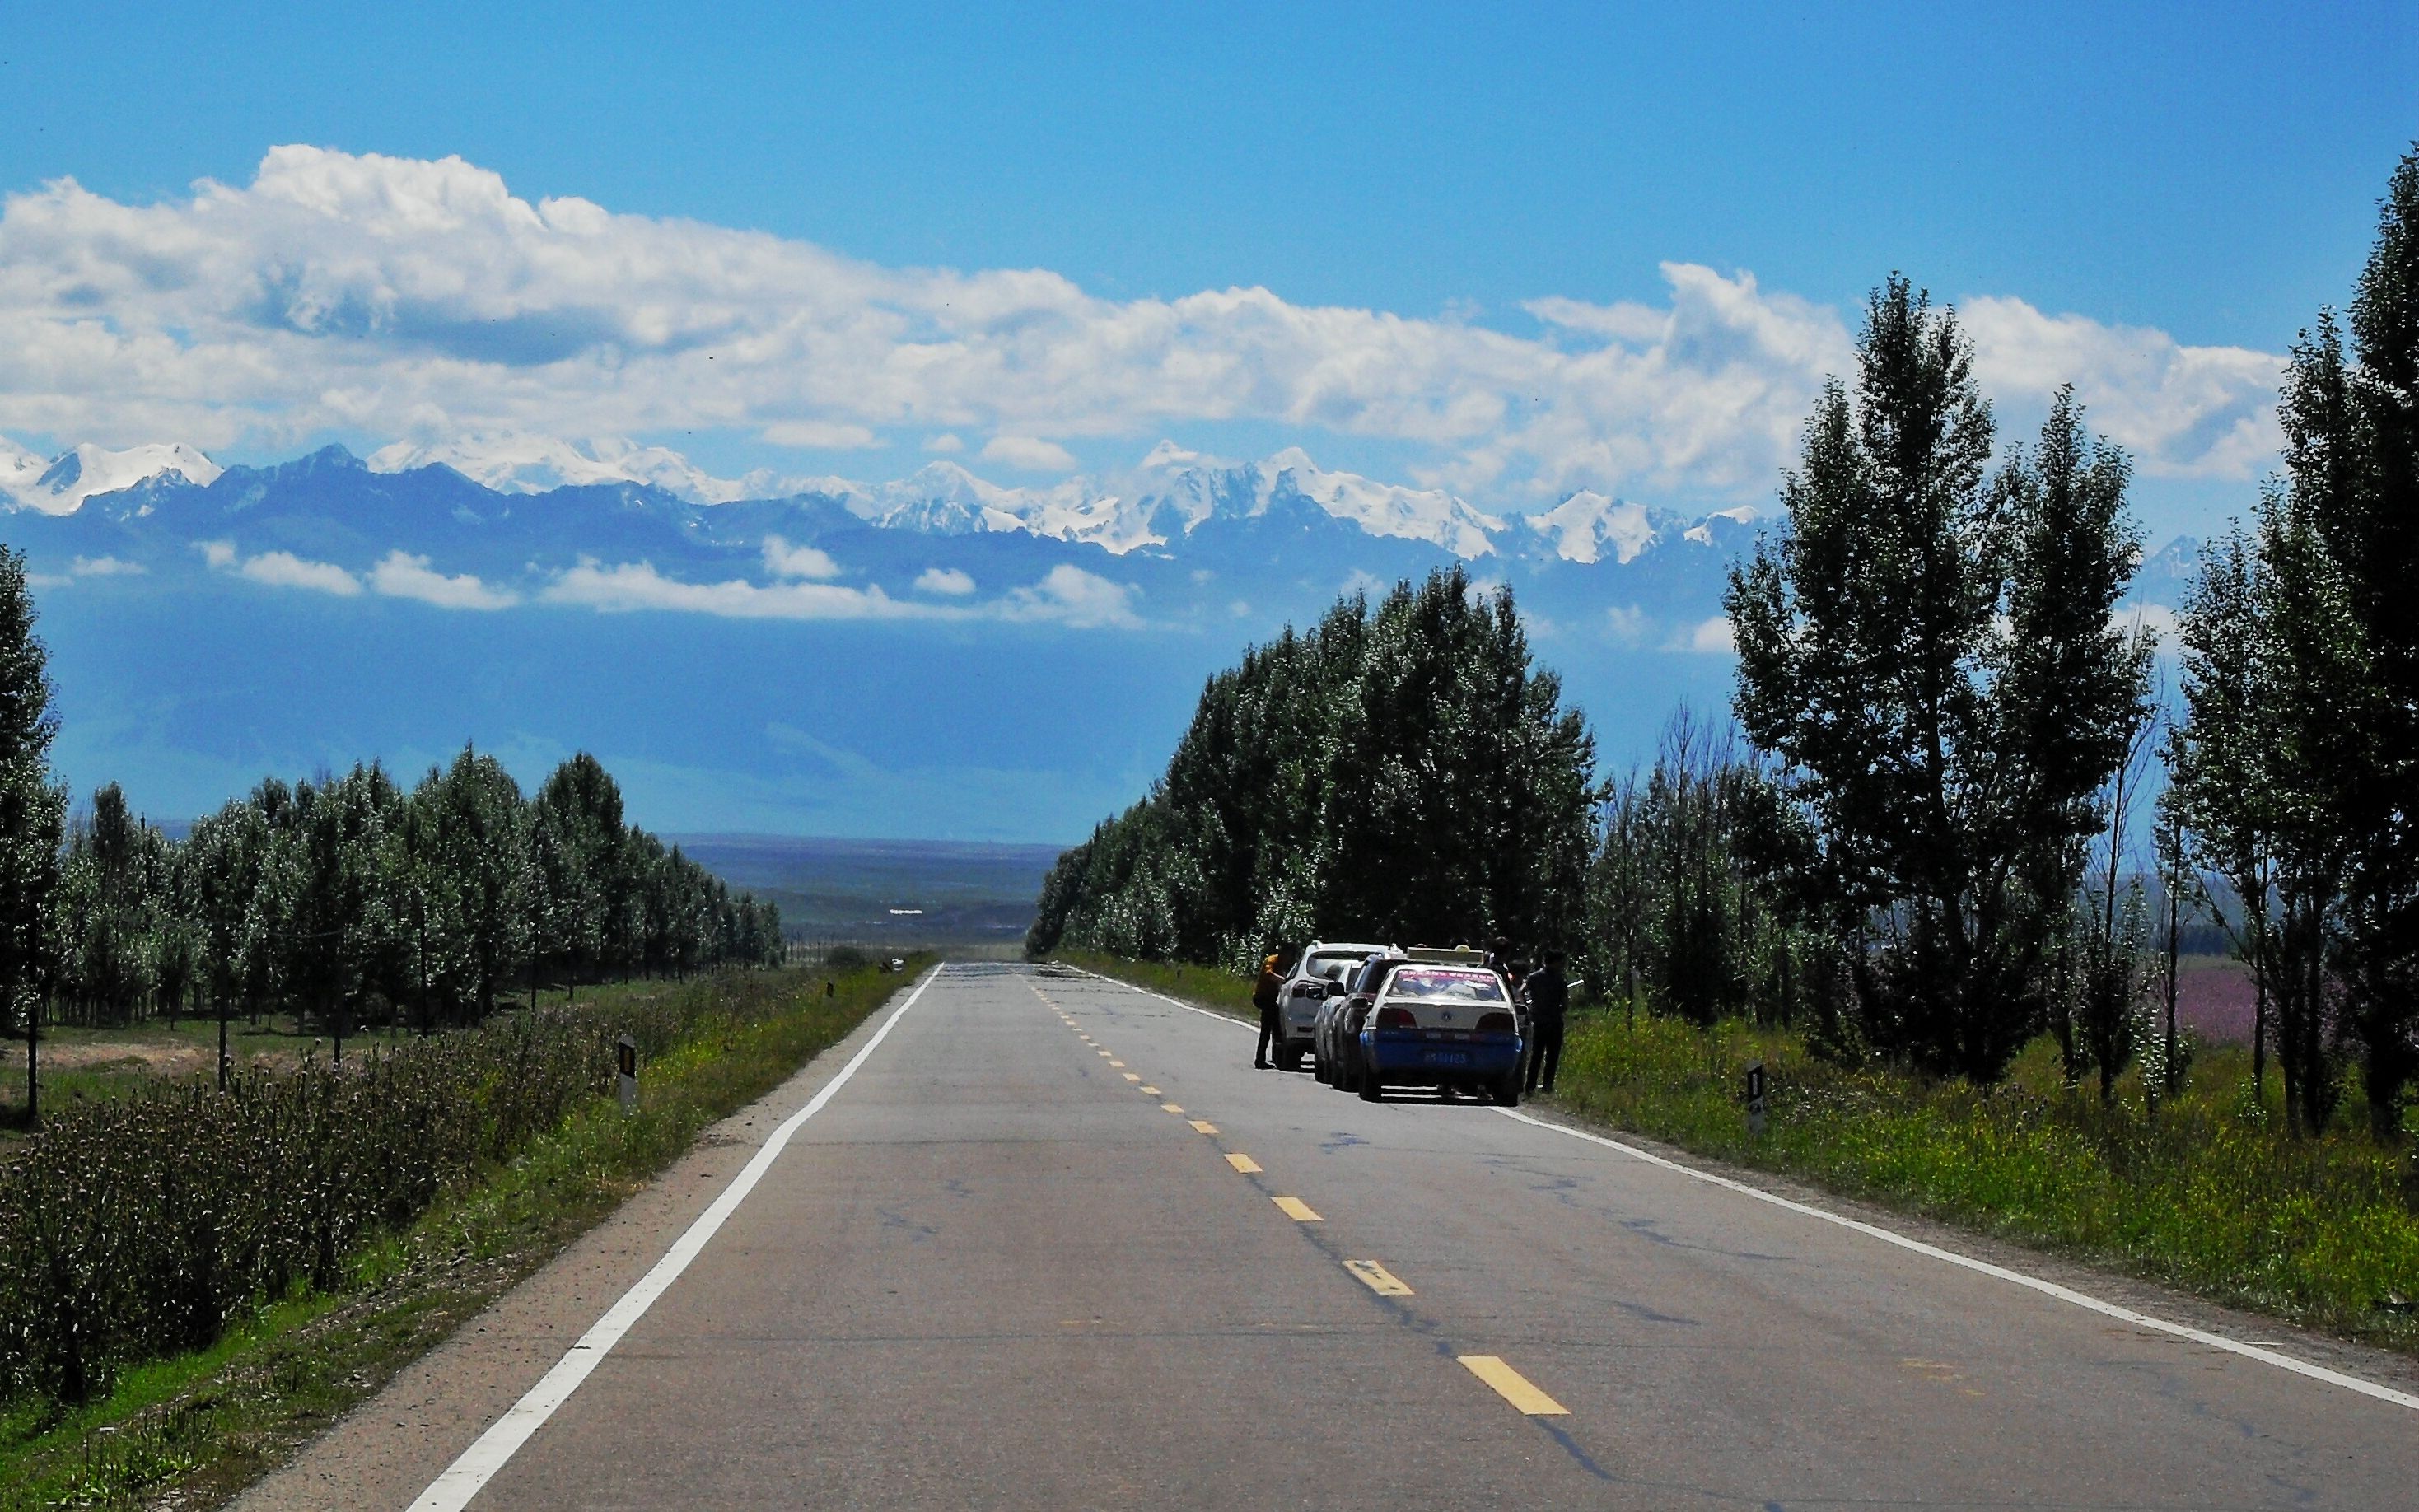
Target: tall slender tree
{"points": [[33, 811]]}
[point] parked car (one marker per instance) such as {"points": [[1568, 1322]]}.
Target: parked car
{"points": [[1440, 1018], [1336, 1035], [1325, 967]]}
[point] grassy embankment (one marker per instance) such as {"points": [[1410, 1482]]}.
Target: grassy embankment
{"points": [[2209, 1196], [199, 1426]]}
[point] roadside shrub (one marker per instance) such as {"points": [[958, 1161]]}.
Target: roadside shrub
{"points": [[134, 1229]]}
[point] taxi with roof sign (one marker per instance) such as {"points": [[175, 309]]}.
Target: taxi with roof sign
{"points": [[1432, 1018]]}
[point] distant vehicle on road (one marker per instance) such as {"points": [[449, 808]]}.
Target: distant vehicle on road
{"points": [[1428, 1018], [1326, 967]]}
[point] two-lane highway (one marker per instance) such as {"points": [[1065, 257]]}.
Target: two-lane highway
{"points": [[1053, 1244]]}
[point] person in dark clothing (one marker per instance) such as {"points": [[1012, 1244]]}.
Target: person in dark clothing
{"points": [[1273, 972], [1549, 991]]}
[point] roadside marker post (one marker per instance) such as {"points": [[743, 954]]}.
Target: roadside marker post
{"points": [[1755, 1106], [626, 1053]]}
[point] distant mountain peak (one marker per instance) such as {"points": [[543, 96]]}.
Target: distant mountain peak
{"points": [[1584, 526], [61, 486], [522, 462]]}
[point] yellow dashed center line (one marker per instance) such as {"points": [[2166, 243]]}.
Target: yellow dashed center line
{"points": [[1297, 1209], [1244, 1163], [1513, 1386], [1204, 1126], [1130, 1075], [1102, 1053], [1377, 1278], [1120, 1064], [1150, 1092], [1171, 1107]]}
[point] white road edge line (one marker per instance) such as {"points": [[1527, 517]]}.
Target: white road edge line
{"points": [[467, 1475], [1207, 1013], [2031, 1283]]}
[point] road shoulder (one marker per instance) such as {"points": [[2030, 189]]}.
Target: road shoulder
{"points": [[387, 1450]]}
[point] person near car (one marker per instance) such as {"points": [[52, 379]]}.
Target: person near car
{"points": [[1273, 972], [1549, 991]]}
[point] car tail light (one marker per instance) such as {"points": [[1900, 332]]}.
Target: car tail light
{"points": [[1495, 1023], [1397, 1018]]}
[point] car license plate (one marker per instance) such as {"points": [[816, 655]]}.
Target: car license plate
{"points": [[1444, 1057]]}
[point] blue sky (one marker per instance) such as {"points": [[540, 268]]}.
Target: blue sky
{"points": [[2205, 168]]}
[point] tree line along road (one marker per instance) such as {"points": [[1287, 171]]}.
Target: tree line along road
{"points": [[1046, 1241]]}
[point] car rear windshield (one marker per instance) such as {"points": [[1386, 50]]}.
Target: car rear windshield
{"points": [[1332, 968], [1446, 983]]}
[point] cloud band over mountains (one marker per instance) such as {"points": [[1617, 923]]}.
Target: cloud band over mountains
{"points": [[415, 301]]}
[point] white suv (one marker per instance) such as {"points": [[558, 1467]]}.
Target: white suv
{"points": [[1326, 968]]}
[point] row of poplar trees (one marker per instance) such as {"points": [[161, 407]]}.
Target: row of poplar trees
{"points": [[1401, 771], [1926, 848], [347, 900]]}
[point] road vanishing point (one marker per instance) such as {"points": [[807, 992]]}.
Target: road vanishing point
{"points": [[1033, 1239]]}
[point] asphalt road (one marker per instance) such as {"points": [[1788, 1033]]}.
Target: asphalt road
{"points": [[1055, 1245]]}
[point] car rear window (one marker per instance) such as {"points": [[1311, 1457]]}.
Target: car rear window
{"points": [[1334, 967], [1446, 983]]}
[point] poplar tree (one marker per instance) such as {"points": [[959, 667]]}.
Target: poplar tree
{"points": [[1928, 653], [33, 811]]}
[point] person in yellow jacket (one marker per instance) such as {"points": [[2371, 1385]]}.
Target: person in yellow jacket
{"points": [[1274, 971]]}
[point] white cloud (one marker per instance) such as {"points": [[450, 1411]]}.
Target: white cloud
{"points": [[782, 560], [284, 569], [423, 300], [106, 567], [1073, 596], [1030, 453], [1710, 638], [2196, 411], [821, 435], [638, 586], [219, 555], [949, 580], [400, 574], [1627, 624], [944, 444]]}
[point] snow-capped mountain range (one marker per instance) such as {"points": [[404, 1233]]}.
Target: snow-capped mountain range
{"points": [[932, 653], [1167, 496]]}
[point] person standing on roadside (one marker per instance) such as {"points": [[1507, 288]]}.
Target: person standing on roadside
{"points": [[1273, 972], [1549, 991]]}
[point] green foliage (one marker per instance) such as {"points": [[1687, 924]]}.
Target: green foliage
{"points": [[2295, 768], [141, 1227], [2209, 1193], [1397, 773], [1929, 653], [351, 901], [32, 807], [1692, 905]]}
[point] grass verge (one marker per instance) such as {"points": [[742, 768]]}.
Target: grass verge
{"points": [[2209, 1196], [193, 1430], [1205, 985]]}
